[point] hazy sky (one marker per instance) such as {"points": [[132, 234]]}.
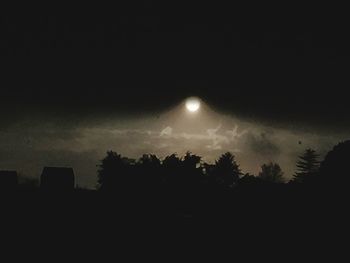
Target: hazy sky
{"points": [[73, 87], [29, 145]]}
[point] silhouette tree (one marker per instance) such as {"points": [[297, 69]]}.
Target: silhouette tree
{"points": [[307, 166], [191, 169], [335, 168], [149, 162], [114, 171], [171, 161], [191, 161], [171, 167], [149, 172], [271, 173], [249, 183], [226, 170], [249, 179], [183, 174], [209, 177]]}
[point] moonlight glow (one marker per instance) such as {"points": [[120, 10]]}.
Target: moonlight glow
{"points": [[193, 104]]}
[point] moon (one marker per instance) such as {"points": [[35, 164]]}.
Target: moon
{"points": [[193, 104]]}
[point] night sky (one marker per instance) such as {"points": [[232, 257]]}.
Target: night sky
{"points": [[73, 87]]}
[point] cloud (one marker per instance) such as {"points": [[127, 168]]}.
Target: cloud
{"points": [[213, 139], [262, 144], [234, 134], [166, 132]]}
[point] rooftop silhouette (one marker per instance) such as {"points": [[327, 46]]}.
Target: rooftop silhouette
{"points": [[57, 179]]}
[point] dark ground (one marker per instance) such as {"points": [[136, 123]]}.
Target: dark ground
{"points": [[89, 222]]}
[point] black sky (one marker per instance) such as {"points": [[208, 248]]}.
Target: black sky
{"points": [[275, 66]]}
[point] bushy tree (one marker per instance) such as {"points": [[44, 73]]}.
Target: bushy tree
{"points": [[271, 173], [191, 167], [191, 161], [307, 166], [183, 173], [149, 171], [149, 162], [172, 162], [114, 171], [171, 167]]}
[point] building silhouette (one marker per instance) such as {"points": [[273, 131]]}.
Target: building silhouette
{"points": [[57, 179]]}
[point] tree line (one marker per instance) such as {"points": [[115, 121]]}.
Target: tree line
{"points": [[190, 172]]}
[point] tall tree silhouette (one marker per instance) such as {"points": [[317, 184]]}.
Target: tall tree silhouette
{"points": [[335, 168], [307, 166], [271, 173], [226, 170]]}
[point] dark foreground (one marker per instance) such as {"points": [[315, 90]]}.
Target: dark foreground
{"points": [[259, 223], [91, 221]]}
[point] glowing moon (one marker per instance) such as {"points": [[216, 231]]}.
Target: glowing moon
{"points": [[193, 104]]}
